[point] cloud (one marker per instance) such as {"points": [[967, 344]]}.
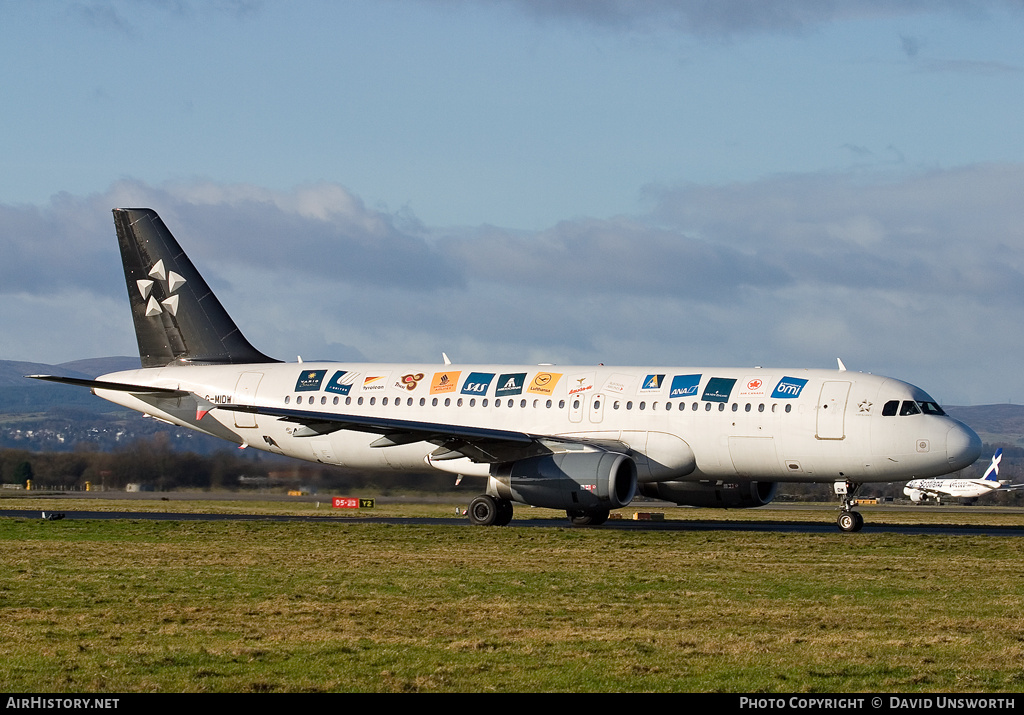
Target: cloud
{"points": [[729, 17], [915, 275]]}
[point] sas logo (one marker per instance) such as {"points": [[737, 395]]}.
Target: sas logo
{"points": [[652, 383], [477, 383], [510, 384], [444, 382], [788, 388], [544, 383], [410, 381], [718, 389], [374, 382], [684, 386], [310, 380], [341, 382]]}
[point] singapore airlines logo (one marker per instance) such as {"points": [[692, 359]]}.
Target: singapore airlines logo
{"points": [[174, 282]]}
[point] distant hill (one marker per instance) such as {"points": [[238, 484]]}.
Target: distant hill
{"points": [[996, 424]]}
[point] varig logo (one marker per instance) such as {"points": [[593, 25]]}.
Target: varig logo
{"points": [[174, 282], [309, 381]]}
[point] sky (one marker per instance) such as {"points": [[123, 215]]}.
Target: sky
{"points": [[676, 183]]}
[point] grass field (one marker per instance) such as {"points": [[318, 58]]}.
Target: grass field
{"points": [[130, 606]]}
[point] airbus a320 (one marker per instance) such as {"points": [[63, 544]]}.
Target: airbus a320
{"points": [[585, 438]]}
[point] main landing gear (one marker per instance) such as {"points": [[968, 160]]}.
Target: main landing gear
{"points": [[849, 520], [486, 510]]}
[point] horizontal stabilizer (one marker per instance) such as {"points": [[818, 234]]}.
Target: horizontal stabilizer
{"points": [[119, 386]]}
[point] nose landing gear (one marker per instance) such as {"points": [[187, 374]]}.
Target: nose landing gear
{"points": [[849, 520]]}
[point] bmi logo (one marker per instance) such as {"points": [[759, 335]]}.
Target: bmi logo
{"points": [[174, 282]]}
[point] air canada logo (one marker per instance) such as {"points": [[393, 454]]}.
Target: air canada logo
{"points": [[174, 282]]}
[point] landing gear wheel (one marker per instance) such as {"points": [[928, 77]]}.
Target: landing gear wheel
{"points": [[588, 518], [483, 511], [850, 521]]}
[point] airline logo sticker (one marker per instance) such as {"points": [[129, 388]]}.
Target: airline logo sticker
{"points": [[580, 383], [174, 282], [789, 388], [718, 389], [375, 381], [544, 383], [684, 386], [341, 382], [309, 381], [754, 386], [652, 383], [444, 382], [477, 383], [618, 383], [510, 384], [409, 381]]}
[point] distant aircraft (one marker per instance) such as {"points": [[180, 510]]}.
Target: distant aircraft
{"points": [[920, 489], [584, 439]]}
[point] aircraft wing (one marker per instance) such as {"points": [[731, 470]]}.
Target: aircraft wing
{"points": [[479, 444]]}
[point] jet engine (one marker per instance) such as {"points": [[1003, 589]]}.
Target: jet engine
{"points": [[728, 495], [592, 481]]}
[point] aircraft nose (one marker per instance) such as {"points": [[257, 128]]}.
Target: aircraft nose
{"points": [[963, 446]]}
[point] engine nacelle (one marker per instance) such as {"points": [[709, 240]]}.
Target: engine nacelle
{"points": [[730, 495], [574, 481]]}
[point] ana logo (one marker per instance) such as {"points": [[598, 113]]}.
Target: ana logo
{"points": [[788, 388], [510, 384], [684, 386], [341, 382], [477, 383], [310, 380], [409, 381], [174, 282]]}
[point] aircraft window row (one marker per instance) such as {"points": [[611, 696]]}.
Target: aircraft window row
{"points": [[910, 407], [434, 402], [889, 409], [695, 406]]}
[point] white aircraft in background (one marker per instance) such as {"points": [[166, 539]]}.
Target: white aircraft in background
{"points": [[920, 489], [583, 438]]}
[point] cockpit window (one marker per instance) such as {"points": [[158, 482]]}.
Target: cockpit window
{"points": [[891, 408], [930, 408], [909, 407]]}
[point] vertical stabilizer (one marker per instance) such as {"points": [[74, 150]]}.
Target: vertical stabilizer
{"points": [[177, 317], [992, 473]]}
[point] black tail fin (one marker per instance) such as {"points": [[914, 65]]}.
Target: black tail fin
{"points": [[177, 317]]}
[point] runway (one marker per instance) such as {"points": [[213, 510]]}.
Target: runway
{"points": [[875, 522]]}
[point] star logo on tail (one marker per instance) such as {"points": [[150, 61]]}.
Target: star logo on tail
{"points": [[174, 282]]}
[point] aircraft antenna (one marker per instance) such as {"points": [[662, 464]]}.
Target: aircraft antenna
{"points": [[446, 360], [842, 367]]}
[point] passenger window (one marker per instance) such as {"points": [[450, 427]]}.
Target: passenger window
{"points": [[360, 401], [522, 403], [483, 403], [707, 407], [548, 404], [695, 406], [735, 407], [383, 402], [615, 405], [721, 407], [459, 403], [433, 402], [348, 400], [890, 408], [788, 408], [643, 405], [747, 408], [335, 400], [373, 400], [447, 402], [287, 399], [423, 401], [472, 402], [629, 405], [561, 404]]}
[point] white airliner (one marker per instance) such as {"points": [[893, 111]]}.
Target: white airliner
{"points": [[583, 438], [920, 489]]}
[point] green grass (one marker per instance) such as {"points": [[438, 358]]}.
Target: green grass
{"points": [[129, 606]]}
